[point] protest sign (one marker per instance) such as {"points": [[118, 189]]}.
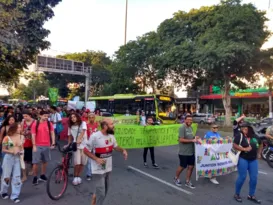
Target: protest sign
{"points": [[135, 136], [212, 158]]}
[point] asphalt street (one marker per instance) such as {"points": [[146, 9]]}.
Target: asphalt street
{"points": [[132, 184]]}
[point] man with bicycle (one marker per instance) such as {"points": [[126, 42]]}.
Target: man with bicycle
{"points": [[101, 144]]}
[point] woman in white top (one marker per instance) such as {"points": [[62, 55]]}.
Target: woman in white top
{"points": [[77, 133]]}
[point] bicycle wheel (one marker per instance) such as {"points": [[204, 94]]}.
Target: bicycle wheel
{"points": [[57, 183]]}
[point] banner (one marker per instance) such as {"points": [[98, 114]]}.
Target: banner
{"points": [[136, 136], [53, 94], [127, 120], [212, 158]]}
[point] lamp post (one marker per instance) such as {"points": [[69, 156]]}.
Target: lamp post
{"points": [[126, 12]]}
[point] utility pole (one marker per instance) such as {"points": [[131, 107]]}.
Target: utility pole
{"points": [[126, 12]]}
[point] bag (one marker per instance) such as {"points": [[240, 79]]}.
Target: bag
{"points": [[59, 127], [234, 154], [74, 144]]}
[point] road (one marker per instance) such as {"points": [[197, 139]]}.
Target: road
{"points": [[132, 184]]}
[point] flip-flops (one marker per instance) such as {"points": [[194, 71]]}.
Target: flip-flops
{"points": [[238, 198]]}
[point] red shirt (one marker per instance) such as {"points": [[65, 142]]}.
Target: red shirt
{"points": [[27, 133], [91, 128], [42, 137]]}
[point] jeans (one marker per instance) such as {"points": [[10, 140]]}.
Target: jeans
{"points": [[88, 168], [152, 153], [11, 175], [252, 167]]}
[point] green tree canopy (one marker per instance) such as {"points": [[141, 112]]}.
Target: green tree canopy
{"points": [[22, 35], [221, 43]]}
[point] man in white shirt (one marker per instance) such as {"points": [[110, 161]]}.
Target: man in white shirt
{"points": [[101, 144], [55, 118]]}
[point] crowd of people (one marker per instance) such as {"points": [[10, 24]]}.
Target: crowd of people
{"points": [[29, 134]]}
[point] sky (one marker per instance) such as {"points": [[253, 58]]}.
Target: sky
{"points": [[79, 25]]}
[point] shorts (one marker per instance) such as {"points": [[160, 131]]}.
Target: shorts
{"points": [[79, 157], [185, 161], [42, 155], [28, 154], [100, 183]]}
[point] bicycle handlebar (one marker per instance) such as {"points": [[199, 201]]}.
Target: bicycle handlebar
{"points": [[64, 150]]}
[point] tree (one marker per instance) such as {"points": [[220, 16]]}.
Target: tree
{"points": [[36, 86], [141, 60], [22, 35], [219, 43], [100, 63]]}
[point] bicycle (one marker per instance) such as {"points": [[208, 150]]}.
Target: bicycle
{"points": [[59, 174]]}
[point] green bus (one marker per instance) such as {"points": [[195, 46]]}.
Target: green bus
{"points": [[162, 107]]}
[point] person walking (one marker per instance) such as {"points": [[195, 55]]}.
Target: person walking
{"points": [[27, 124], [92, 127], [186, 152], [250, 147], [43, 140], [102, 144], [150, 122], [77, 134], [13, 148], [213, 134]]}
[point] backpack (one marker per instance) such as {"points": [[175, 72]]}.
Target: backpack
{"points": [[48, 124]]}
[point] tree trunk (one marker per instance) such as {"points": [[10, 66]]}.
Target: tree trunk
{"points": [[227, 102]]}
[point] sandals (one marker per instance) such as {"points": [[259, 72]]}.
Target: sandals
{"points": [[253, 198], [238, 198]]}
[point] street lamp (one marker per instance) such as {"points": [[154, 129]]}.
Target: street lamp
{"points": [[126, 12]]}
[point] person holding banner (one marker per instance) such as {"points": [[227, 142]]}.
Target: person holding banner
{"points": [[150, 122], [186, 152], [250, 147], [213, 134]]}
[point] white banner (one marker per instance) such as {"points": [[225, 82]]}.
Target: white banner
{"points": [[212, 158]]}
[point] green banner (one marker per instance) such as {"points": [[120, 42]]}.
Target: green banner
{"points": [[53, 94], [127, 120], [136, 136]]}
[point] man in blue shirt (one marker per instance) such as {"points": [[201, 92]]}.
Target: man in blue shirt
{"points": [[213, 134]]}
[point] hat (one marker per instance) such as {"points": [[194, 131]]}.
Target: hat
{"points": [[87, 111], [245, 124]]}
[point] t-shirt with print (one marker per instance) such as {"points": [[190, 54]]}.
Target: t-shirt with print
{"points": [[42, 137], [91, 128], [269, 130], [254, 142], [102, 146], [186, 149], [75, 131], [54, 118]]}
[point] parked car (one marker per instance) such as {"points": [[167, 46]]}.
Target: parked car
{"points": [[203, 118]]}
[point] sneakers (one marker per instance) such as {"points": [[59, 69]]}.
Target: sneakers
{"points": [[88, 178], [75, 181], [145, 164], [16, 200], [43, 178], [190, 185], [177, 182], [35, 181], [4, 196], [79, 180], [155, 166], [214, 181]]}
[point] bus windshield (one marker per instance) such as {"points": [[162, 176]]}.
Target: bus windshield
{"points": [[166, 108]]}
